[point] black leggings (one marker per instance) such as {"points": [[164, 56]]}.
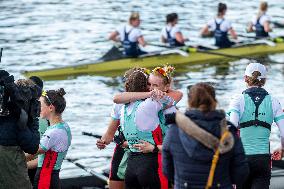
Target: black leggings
{"points": [[260, 172], [54, 182], [142, 171], [116, 159]]}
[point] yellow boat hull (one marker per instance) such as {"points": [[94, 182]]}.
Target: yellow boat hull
{"points": [[116, 67]]}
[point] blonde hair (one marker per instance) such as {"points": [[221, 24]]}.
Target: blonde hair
{"points": [[133, 16], [165, 73], [262, 8], [254, 80]]}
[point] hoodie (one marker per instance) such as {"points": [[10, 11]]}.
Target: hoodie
{"points": [[187, 162]]}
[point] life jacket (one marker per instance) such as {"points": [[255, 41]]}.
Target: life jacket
{"points": [[133, 135], [58, 156], [256, 120], [130, 48], [221, 37], [172, 40], [259, 29]]}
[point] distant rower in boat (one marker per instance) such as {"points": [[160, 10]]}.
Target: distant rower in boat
{"points": [[260, 23], [171, 34], [130, 36], [220, 27]]}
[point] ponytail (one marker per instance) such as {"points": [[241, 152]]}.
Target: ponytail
{"points": [[221, 8], [254, 80], [262, 8]]}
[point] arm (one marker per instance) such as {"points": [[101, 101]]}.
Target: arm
{"points": [[205, 31], [147, 147], [233, 33], [108, 136], [267, 26], [279, 118], [141, 41], [164, 40], [175, 94], [235, 110], [179, 37], [30, 157], [250, 27], [32, 164], [126, 97], [113, 36]]}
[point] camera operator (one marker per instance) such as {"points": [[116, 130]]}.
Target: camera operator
{"points": [[19, 109]]}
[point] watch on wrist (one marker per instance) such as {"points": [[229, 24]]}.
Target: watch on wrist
{"points": [[156, 149]]}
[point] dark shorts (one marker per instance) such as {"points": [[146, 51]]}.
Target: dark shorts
{"points": [[54, 180], [260, 172], [116, 159], [142, 171], [32, 173]]}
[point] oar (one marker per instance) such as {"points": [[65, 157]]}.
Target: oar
{"points": [[160, 45], [278, 24], [174, 50], [92, 172], [193, 50], [91, 134], [1, 54]]}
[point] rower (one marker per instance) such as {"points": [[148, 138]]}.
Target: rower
{"points": [[253, 112], [171, 34], [220, 26], [130, 36], [260, 23]]}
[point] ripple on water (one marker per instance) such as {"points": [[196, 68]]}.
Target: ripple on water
{"points": [[49, 33]]}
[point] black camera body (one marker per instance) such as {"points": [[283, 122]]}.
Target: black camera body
{"points": [[18, 100]]}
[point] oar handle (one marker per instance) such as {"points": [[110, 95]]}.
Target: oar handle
{"points": [[91, 134]]}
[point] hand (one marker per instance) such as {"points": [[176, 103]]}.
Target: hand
{"points": [[101, 144], [124, 145], [144, 147], [29, 157], [107, 139], [157, 94], [277, 154]]}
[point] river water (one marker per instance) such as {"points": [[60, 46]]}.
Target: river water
{"points": [[37, 34]]}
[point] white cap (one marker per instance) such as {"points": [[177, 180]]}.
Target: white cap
{"points": [[252, 67]]}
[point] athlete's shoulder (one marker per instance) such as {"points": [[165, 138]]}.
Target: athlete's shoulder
{"points": [[266, 17], [237, 98], [227, 23], [176, 29], [275, 102], [211, 22]]}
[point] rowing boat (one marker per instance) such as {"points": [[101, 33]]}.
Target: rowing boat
{"points": [[113, 66], [91, 181]]}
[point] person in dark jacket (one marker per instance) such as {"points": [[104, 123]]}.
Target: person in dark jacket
{"points": [[18, 130], [187, 161]]}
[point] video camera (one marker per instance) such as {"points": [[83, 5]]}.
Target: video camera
{"points": [[18, 99]]}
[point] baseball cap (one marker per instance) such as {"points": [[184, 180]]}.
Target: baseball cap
{"points": [[252, 67]]}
